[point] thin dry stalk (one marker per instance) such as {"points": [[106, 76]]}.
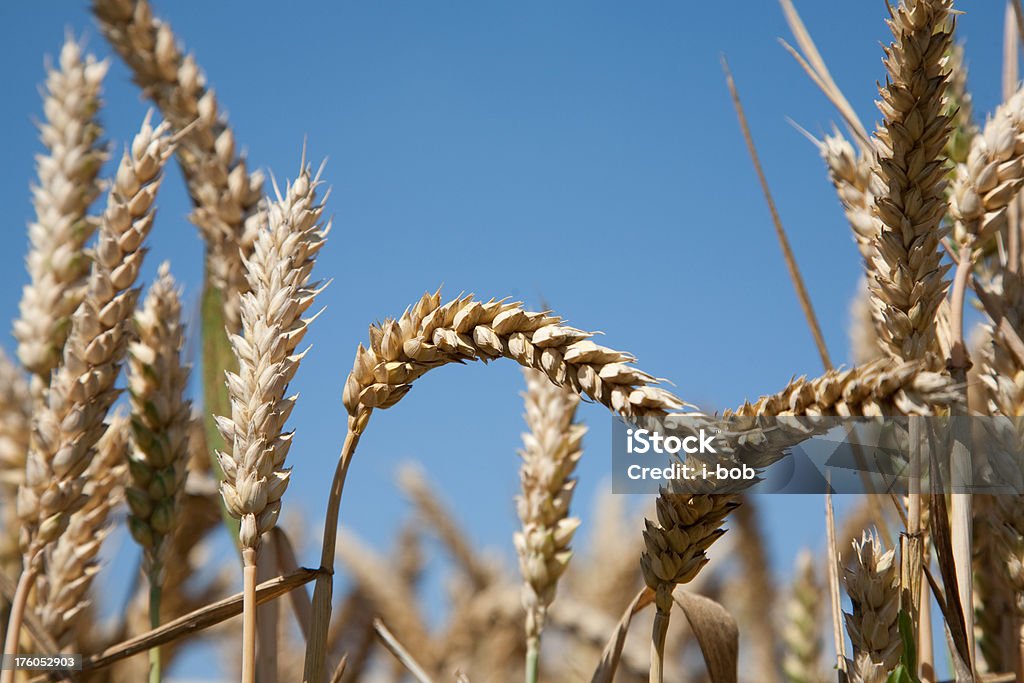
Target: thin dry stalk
{"points": [[813, 63], [70, 422], [58, 264], [400, 653], [780, 232], [873, 586], [226, 196], [551, 449], [910, 148]]}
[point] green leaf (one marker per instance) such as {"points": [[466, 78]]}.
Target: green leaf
{"points": [[217, 359], [908, 660]]}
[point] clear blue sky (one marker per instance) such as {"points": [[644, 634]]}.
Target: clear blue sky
{"points": [[583, 152]]}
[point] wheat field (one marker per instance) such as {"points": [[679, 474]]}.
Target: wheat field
{"points": [[147, 441]]}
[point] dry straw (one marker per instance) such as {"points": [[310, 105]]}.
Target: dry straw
{"points": [[67, 185], [255, 476], [551, 449]]}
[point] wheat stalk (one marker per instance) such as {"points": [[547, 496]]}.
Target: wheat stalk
{"points": [[872, 584], [909, 284], [255, 476], [225, 194], [70, 421], [72, 561], [551, 449], [67, 185]]}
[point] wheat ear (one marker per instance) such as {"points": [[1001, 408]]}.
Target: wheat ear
{"points": [[959, 107], [67, 185], [990, 177], [872, 583], [910, 167], [255, 476], [160, 425], [803, 625], [70, 421], [850, 171], [72, 561], [225, 194], [551, 449]]}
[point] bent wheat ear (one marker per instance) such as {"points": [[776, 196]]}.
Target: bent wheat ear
{"points": [[225, 194], [908, 285], [71, 420], [550, 452], [429, 335], [851, 174], [278, 272], [66, 187]]}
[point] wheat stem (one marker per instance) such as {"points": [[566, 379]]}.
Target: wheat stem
{"points": [[316, 647], [658, 634], [249, 615], [780, 232], [18, 604], [154, 621]]}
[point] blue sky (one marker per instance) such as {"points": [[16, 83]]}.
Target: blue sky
{"points": [[585, 153]]}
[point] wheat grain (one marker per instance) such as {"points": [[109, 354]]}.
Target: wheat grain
{"points": [[225, 194], [803, 624], [551, 449], [872, 584], [72, 561], [67, 185], [909, 284], [160, 424], [71, 420]]}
